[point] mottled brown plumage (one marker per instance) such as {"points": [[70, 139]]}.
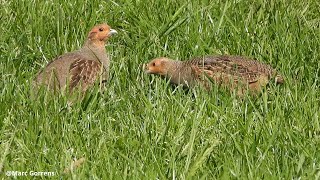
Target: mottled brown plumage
{"points": [[80, 68], [234, 72]]}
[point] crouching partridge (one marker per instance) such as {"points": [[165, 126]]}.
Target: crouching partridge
{"points": [[80, 68], [233, 72]]}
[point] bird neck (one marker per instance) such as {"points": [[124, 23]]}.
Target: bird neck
{"points": [[98, 51], [174, 67], [95, 44], [178, 72]]}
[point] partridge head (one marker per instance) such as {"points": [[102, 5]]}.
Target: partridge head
{"points": [[99, 34]]}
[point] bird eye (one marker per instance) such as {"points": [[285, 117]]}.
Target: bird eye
{"points": [[100, 29]]}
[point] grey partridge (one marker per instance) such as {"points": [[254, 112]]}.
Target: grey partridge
{"points": [[233, 72], [80, 68]]}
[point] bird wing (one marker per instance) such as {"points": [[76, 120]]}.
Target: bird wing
{"points": [[226, 69], [84, 72]]}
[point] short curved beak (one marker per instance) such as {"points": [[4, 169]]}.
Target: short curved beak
{"points": [[146, 69], [112, 32]]}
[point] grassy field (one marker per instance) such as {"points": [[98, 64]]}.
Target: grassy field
{"points": [[141, 127]]}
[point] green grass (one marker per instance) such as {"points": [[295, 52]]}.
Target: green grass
{"points": [[141, 127]]}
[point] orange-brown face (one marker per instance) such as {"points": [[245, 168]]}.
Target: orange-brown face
{"points": [[101, 32], [157, 66]]}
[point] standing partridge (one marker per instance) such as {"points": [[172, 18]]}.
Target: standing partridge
{"points": [[233, 72], [80, 68]]}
